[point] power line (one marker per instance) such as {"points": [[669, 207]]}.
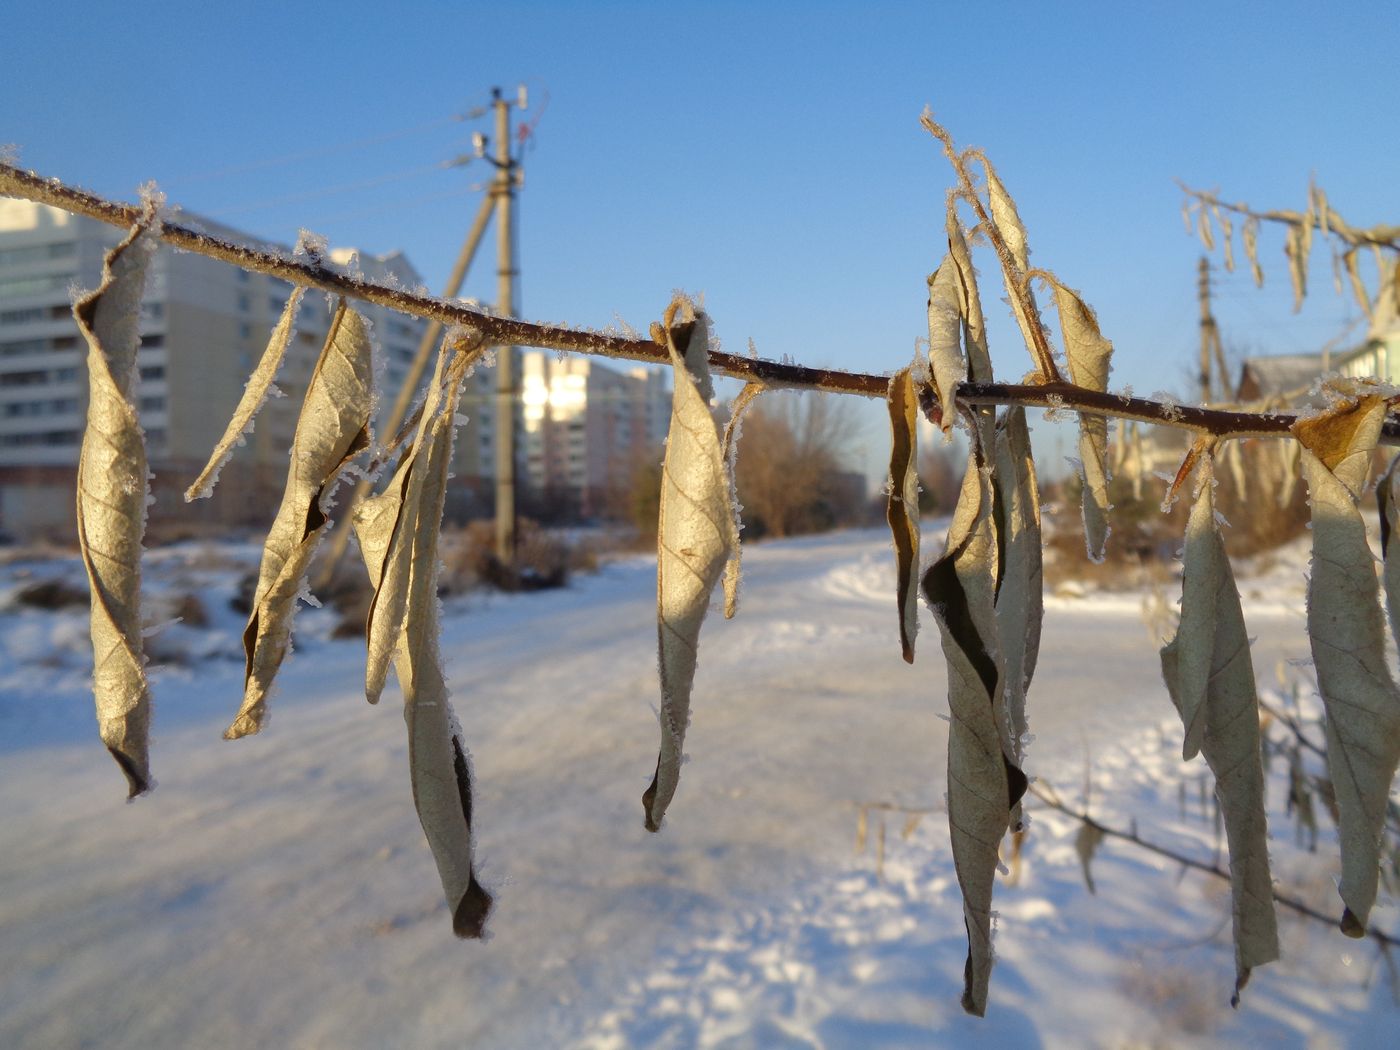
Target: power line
{"points": [[322, 151]]}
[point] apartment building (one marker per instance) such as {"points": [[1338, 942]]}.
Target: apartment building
{"points": [[584, 426], [204, 324]]}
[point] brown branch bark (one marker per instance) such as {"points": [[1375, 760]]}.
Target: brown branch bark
{"points": [[506, 331]]}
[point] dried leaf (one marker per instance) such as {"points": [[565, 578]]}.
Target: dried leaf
{"points": [[695, 536], [979, 359], [389, 524], [1348, 643], [1203, 226], [1296, 248], [945, 352], [1008, 223], [254, 394], [1320, 208], [1388, 500], [111, 506], [1227, 232], [1088, 353], [983, 784], [1019, 599], [733, 569], [1086, 844], [1358, 286], [902, 506], [1211, 681], [407, 516], [1007, 219], [332, 429], [1249, 234]]}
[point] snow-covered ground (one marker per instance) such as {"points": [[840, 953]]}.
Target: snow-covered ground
{"points": [[277, 891]]}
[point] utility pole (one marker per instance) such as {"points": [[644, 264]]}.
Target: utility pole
{"points": [[1210, 337], [340, 536], [503, 192]]}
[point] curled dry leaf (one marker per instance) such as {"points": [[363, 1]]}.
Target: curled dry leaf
{"points": [[978, 358], [1296, 247], [332, 429], [983, 783], [695, 536], [1227, 235], [1348, 643], [945, 353], [398, 532], [902, 505], [1358, 286], [733, 569], [1388, 499], [1088, 353], [1013, 233], [1207, 235], [1086, 844], [1020, 593], [254, 395], [1249, 235], [111, 505], [1210, 678]]}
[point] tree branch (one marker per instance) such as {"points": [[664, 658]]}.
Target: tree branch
{"points": [[506, 331], [1051, 799], [1380, 236]]}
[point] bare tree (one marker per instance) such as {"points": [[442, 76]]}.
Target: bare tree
{"points": [[790, 472]]}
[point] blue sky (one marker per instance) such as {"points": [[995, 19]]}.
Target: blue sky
{"points": [[768, 155]]}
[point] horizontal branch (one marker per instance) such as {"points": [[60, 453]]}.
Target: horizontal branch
{"points": [[1291, 903], [1380, 236], [508, 331]]}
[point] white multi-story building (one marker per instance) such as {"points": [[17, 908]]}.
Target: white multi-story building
{"points": [[204, 324], [585, 425]]}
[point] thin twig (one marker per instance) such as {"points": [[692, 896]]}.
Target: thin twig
{"points": [[506, 331], [1051, 799]]}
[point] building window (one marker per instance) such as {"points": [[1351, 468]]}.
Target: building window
{"points": [[34, 285], [23, 346], [154, 339], [151, 372], [152, 310], [33, 313], [23, 378], [151, 404]]}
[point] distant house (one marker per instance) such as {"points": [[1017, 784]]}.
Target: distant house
{"points": [[1286, 376]]}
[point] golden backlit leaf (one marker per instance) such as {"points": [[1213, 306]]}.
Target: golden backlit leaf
{"points": [[1088, 353]]}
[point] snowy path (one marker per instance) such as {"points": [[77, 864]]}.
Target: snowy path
{"points": [[277, 891]]}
